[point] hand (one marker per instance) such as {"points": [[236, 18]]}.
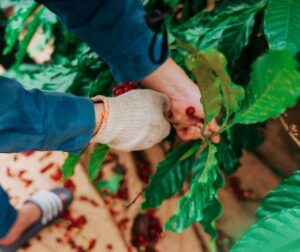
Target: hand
{"points": [[172, 81], [132, 121]]}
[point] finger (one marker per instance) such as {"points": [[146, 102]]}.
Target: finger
{"points": [[196, 134], [213, 128], [182, 134], [199, 113], [190, 133], [183, 122], [199, 125]]}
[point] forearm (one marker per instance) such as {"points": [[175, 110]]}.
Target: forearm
{"points": [[36, 120], [114, 29]]}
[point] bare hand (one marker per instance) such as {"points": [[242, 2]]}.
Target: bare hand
{"points": [[172, 81]]}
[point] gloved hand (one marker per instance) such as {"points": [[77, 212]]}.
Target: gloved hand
{"points": [[133, 121]]}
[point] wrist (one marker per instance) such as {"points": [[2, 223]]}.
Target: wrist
{"points": [[168, 79], [98, 108]]}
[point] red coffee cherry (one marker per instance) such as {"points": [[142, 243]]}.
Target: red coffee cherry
{"points": [[127, 88], [190, 111], [115, 90], [123, 84], [132, 84], [118, 91], [124, 87]]}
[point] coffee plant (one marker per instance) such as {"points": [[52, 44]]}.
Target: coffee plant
{"points": [[243, 56]]}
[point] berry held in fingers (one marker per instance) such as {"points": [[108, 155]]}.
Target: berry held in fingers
{"points": [[190, 111]]}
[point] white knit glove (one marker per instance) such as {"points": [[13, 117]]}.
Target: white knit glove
{"points": [[133, 121]]}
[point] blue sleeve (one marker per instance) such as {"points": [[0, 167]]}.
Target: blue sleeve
{"points": [[37, 120], [115, 29]]}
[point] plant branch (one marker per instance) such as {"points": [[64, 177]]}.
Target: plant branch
{"points": [[288, 130], [136, 198]]}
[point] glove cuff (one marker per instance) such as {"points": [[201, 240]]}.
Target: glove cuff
{"points": [[104, 118]]}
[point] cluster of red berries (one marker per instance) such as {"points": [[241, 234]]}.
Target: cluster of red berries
{"points": [[124, 88], [146, 231]]}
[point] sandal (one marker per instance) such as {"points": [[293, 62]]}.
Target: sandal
{"points": [[51, 207]]}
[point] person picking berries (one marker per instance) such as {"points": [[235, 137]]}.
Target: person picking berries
{"points": [[133, 120]]}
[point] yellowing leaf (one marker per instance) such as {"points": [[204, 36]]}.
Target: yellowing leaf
{"points": [[209, 68]]}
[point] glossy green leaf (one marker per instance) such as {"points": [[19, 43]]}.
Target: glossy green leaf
{"points": [[47, 22], [193, 149], [274, 87], [228, 158], [7, 3], [231, 33], [245, 136], [286, 195], [169, 177], [96, 159], [17, 22], [68, 167], [281, 25], [30, 31], [172, 3], [101, 84], [200, 204], [192, 30], [112, 185], [277, 232], [51, 78]]}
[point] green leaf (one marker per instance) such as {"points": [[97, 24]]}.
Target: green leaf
{"points": [[275, 233], [203, 64], [47, 22], [286, 195], [281, 25], [232, 94], [192, 30], [7, 3], [233, 141], [68, 167], [200, 204], [96, 159], [230, 31], [112, 185], [30, 31], [228, 158], [51, 78], [209, 68], [194, 148], [102, 83], [172, 3], [16, 23], [245, 136], [274, 87], [237, 34], [169, 177]]}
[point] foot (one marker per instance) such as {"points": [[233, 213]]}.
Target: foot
{"points": [[27, 215]]}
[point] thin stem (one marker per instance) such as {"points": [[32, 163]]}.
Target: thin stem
{"points": [[135, 199], [288, 130]]}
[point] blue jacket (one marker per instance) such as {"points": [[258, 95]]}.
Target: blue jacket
{"points": [[38, 120]]}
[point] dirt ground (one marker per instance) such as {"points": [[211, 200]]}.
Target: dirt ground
{"points": [[98, 223]]}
